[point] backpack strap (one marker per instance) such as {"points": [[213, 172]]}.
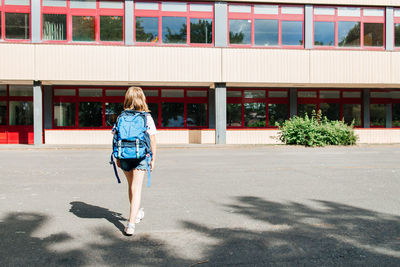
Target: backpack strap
{"points": [[112, 162]]}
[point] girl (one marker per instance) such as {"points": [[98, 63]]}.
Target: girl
{"points": [[134, 169]]}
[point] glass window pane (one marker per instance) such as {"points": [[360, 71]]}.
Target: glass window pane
{"points": [[373, 12], [266, 32], [115, 92], [91, 92], [17, 2], [396, 115], [64, 92], [397, 35], [254, 94], [266, 9], [201, 31], [324, 11], [83, 3], [292, 10], [112, 112], [307, 94], [172, 114], [196, 115], [201, 7], [303, 109], [196, 93], [153, 107], [150, 92], [234, 114], [21, 90], [146, 5], [349, 12], [54, 27], [147, 29], [60, 3], [230, 93], [254, 115], [329, 94], [373, 34], [172, 93], [239, 8], [380, 94], [395, 94], [349, 33], [17, 26], [118, 4], [90, 114], [292, 33], [21, 113], [3, 90], [277, 94], [352, 94], [173, 6], [277, 114], [352, 112], [378, 114], [64, 114], [239, 31], [174, 30], [330, 110], [83, 28], [111, 28], [324, 33], [3, 113]]}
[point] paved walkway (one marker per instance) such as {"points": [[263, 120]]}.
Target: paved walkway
{"points": [[208, 206]]}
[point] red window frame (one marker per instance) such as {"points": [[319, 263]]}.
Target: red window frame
{"points": [[160, 14], [362, 19], [341, 100], [14, 9], [95, 12], [267, 100], [396, 20], [120, 99], [280, 17]]}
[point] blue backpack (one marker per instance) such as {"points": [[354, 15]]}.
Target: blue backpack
{"points": [[131, 139]]}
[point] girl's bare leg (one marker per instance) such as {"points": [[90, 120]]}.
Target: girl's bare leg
{"points": [[135, 182]]}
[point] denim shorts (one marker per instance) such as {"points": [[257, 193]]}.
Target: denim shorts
{"points": [[133, 164]]}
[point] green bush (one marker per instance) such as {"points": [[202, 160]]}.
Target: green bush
{"points": [[316, 131]]}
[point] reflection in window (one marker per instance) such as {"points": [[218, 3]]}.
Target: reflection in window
{"points": [[397, 34], [373, 34], [17, 26], [254, 94], [54, 27], [21, 90], [201, 31], [352, 112], [396, 115], [153, 107], [239, 31], [90, 114], [111, 28], [324, 33], [378, 114], [147, 29], [83, 28], [266, 32], [196, 115], [112, 112], [349, 33], [115, 92], [3, 113], [172, 93], [292, 33], [254, 115], [86, 92], [64, 114], [308, 109], [231, 93], [277, 114], [234, 114], [174, 30], [21, 113], [172, 114], [330, 110], [3, 90]]}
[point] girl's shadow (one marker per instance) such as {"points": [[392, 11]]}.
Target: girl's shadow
{"points": [[83, 210]]}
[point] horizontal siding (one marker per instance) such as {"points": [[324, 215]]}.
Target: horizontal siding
{"points": [[17, 62]]}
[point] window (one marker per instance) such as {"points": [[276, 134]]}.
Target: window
{"points": [[88, 21], [64, 114], [397, 28], [15, 21], [3, 113], [256, 108], [266, 25], [174, 23], [396, 115], [349, 27]]}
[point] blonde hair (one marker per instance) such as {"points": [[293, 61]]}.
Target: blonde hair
{"points": [[135, 99]]}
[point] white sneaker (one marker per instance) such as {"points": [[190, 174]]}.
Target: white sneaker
{"points": [[130, 229], [140, 215]]}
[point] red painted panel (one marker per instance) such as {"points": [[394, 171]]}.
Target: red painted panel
{"points": [[3, 138]]}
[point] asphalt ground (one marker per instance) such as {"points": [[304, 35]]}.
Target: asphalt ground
{"points": [[207, 206]]}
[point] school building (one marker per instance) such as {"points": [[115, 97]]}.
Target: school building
{"points": [[214, 72]]}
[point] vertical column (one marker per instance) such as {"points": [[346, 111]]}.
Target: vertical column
{"points": [[366, 102], [389, 28], [221, 24], [48, 107], [129, 15], [308, 27], [293, 102], [37, 113], [220, 113], [211, 108], [388, 115], [35, 21]]}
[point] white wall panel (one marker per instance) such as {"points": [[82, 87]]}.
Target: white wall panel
{"points": [[17, 61]]}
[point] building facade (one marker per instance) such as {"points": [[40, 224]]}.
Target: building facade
{"points": [[212, 72]]}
